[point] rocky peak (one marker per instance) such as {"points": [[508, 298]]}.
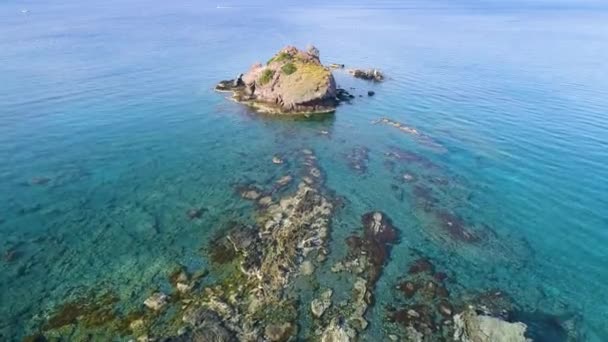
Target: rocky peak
{"points": [[293, 81]]}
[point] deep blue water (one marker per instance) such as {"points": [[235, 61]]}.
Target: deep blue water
{"points": [[111, 107]]}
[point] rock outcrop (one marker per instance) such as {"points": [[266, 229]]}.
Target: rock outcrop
{"points": [[369, 75], [291, 82], [471, 327]]}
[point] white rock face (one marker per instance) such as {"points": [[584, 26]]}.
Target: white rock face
{"points": [[307, 268], [319, 305], [470, 327], [338, 333], [157, 301]]}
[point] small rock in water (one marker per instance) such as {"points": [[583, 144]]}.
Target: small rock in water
{"points": [[183, 287], [369, 75], [337, 267], [157, 301], [338, 331], [307, 268], [413, 313], [408, 288], [315, 172], [137, 326], [250, 195], [371, 93], [277, 160], [195, 213], [10, 255], [284, 180], [445, 308], [278, 332], [408, 177], [265, 201], [319, 305], [40, 180], [421, 265]]}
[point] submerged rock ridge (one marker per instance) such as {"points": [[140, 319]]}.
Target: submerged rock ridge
{"points": [[368, 254], [253, 302], [292, 82]]}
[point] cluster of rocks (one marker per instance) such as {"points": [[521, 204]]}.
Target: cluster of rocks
{"points": [[364, 74], [250, 299], [429, 312], [369, 74], [368, 254], [403, 156], [202, 325], [400, 126], [290, 236], [420, 137], [357, 159], [431, 195]]}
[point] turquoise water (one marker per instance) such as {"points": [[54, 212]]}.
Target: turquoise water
{"points": [[110, 132]]}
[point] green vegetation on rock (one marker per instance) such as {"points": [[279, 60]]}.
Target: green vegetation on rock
{"points": [[289, 68], [266, 76], [282, 56]]}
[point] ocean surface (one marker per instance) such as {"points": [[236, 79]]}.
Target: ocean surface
{"points": [[111, 134]]}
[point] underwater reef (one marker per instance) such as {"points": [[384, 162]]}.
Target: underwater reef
{"points": [[250, 291]]}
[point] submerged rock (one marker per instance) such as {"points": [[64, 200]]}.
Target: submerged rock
{"points": [[277, 160], [408, 177], [319, 305], [307, 268], [10, 255], [367, 257], [265, 258], [248, 191], [278, 332], [157, 301], [206, 326], [292, 82], [338, 331], [40, 180], [265, 201], [195, 213], [471, 327], [358, 158], [283, 181], [421, 137]]}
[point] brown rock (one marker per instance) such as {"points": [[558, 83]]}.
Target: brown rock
{"points": [[278, 332], [292, 82]]}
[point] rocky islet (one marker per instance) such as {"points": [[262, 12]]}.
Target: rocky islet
{"points": [[293, 82]]}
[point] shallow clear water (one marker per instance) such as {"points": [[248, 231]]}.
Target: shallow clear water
{"points": [[110, 131]]}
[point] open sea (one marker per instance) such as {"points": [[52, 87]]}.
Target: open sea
{"points": [[111, 134]]}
